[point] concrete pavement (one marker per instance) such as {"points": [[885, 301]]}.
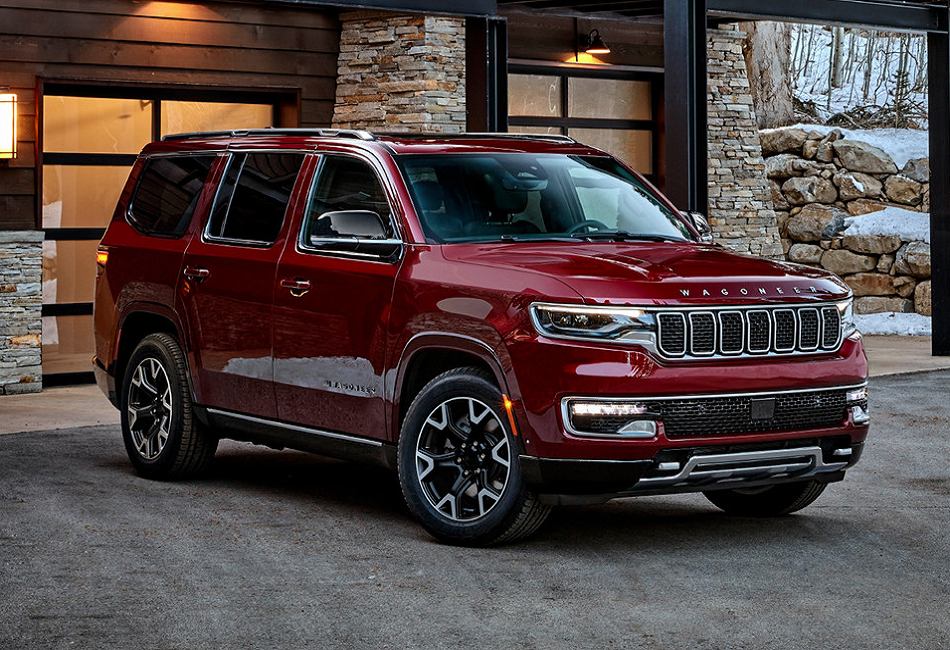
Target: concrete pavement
{"points": [[80, 406]]}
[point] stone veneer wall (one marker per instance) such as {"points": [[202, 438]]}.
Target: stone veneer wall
{"points": [[399, 72], [740, 201], [817, 181], [21, 302]]}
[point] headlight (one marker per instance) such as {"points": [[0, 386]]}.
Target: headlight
{"points": [[846, 311], [563, 321]]}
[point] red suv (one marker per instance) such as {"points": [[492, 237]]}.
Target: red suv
{"points": [[510, 322]]}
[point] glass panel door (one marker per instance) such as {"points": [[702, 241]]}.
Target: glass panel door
{"points": [[89, 143]]}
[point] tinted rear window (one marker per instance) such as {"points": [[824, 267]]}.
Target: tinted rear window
{"points": [[253, 197], [167, 192]]}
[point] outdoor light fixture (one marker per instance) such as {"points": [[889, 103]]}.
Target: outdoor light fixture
{"points": [[595, 44], [7, 126]]}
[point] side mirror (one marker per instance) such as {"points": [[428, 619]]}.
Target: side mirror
{"points": [[362, 233], [701, 224], [356, 224]]}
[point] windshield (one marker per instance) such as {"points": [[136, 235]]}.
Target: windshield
{"points": [[519, 196]]}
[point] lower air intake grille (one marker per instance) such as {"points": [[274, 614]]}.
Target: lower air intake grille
{"points": [[713, 416]]}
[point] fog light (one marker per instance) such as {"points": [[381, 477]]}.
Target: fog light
{"points": [[618, 420], [606, 409], [857, 394]]}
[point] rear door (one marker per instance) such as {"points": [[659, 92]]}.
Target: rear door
{"points": [[228, 279], [332, 305]]}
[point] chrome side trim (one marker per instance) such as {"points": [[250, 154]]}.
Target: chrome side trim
{"points": [[330, 435], [748, 465]]}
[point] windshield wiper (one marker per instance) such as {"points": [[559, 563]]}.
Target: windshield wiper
{"points": [[620, 235]]}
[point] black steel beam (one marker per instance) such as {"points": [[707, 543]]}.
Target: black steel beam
{"points": [[467, 8], [873, 13], [486, 74], [938, 62], [684, 26]]}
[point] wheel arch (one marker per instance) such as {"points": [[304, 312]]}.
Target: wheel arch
{"points": [[429, 355], [138, 321]]}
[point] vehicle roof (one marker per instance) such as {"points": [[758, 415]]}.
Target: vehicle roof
{"points": [[425, 143]]}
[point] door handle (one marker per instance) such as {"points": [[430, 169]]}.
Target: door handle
{"points": [[298, 286], [196, 273]]}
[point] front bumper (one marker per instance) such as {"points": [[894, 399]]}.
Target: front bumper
{"points": [[566, 482]]}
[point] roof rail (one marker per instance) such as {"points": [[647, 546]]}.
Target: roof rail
{"points": [[239, 133], [520, 136]]}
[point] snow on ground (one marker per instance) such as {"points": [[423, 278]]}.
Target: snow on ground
{"points": [[893, 323], [900, 144], [907, 224]]}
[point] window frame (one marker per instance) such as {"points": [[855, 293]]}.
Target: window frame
{"points": [[566, 122], [206, 235], [336, 246]]}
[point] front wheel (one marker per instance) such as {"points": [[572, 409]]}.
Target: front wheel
{"points": [[458, 463], [771, 501], [162, 437]]}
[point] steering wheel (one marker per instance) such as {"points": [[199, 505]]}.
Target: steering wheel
{"points": [[592, 224]]}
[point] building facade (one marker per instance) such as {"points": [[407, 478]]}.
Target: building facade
{"points": [[96, 80]]}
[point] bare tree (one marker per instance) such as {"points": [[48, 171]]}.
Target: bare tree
{"points": [[768, 49]]}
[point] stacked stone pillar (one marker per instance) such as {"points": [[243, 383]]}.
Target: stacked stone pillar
{"points": [[21, 303], [740, 200], [401, 73]]}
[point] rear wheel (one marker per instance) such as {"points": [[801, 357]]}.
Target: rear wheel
{"points": [[458, 463], [770, 501], [162, 437]]}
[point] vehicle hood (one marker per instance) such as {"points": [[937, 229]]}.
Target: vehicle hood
{"points": [[661, 273]]}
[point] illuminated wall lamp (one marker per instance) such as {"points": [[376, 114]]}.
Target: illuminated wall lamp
{"points": [[8, 119], [594, 44]]}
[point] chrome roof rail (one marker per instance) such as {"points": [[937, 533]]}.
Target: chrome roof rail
{"points": [[239, 133]]}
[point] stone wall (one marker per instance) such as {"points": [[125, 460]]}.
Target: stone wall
{"points": [[818, 181], [21, 302], [740, 203], [399, 72]]}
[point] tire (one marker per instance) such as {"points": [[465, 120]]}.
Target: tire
{"points": [[163, 439], [459, 467], [771, 501]]}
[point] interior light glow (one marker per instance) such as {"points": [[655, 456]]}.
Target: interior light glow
{"points": [[8, 119]]}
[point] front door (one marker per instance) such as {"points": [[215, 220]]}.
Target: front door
{"points": [[228, 280], [332, 307]]}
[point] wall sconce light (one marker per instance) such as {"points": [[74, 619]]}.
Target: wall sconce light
{"points": [[594, 44], [8, 119]]}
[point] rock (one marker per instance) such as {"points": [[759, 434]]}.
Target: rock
{"points": [[871, 284], [863, 206], [779, 202], [814, 189], [913, 258], [925, 203], [876, 244], [805, 254], [786, 246], [783, 165], [844, 262], [816, 135], [885, 263], [877, 304], [862, 157], [809, 149], [917, 169], [855, 185], [904, 285], [826, 152], [782, 140], [795, 210], [901, 189], [922, 302], [781, 220], [815, 222]]}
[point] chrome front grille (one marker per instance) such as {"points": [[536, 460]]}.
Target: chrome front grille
{"points": [[699, 333]]}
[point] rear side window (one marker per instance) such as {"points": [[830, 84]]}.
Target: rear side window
{"points": [[253, 196], [166, 194]]}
